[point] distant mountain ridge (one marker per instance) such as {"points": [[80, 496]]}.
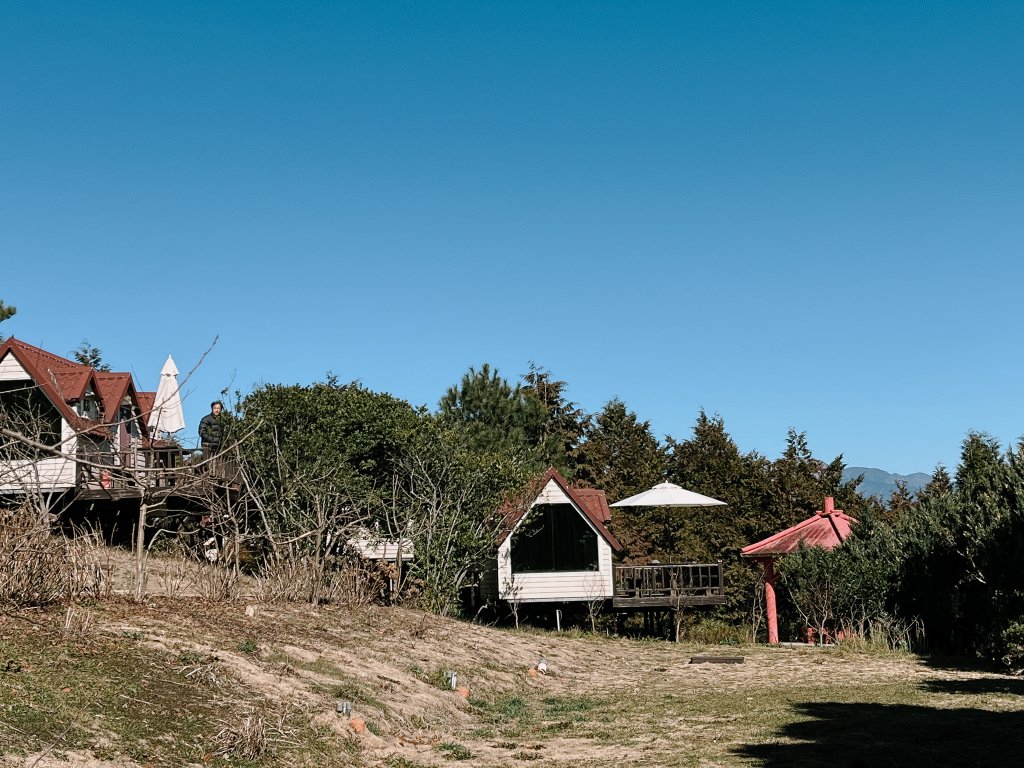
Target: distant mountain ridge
{"points": [[878, 482]]}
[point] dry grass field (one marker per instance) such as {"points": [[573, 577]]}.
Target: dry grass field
{"points": [[183, 680]]}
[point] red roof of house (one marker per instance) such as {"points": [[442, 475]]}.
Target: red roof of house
{"points": [[70, 382], [827, 528], [113, 388], [590, 501], [146, 402], [65, 381]]}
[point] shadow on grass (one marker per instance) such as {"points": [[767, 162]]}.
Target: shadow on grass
{"points": [[961, 663], [893, 736], [1007, 685]]}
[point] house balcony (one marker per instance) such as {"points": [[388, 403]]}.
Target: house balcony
{"points": [[125, 475], [668, 586]]}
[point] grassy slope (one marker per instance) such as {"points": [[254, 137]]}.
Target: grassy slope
{"points": [[190, 682]]}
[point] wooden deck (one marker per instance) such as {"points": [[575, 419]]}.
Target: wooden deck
{"points": [[119, 476], [668, 586]]}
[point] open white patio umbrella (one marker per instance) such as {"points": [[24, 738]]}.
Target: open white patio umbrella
{"points": [[668, 495], [167, 415]]}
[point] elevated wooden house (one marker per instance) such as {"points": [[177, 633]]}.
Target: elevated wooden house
{"points": [[557, 550], [84, 430], [74, 414]]}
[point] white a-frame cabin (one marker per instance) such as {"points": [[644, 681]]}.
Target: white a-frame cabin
{"points": [[558, 550]]}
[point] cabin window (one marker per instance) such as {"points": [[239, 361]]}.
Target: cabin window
{"points": [[26, 410], [554, 537], [89, 408], [124, 416]]}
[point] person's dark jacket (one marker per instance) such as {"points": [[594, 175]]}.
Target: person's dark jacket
{"points": [[211, 432]]}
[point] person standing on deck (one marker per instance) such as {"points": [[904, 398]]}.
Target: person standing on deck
{"points": [[211, 430]]}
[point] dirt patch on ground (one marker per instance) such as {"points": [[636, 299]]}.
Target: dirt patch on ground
{"points": [[603, 700]]}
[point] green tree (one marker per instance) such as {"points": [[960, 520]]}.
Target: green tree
{"points": [[6, 313], [800, 482], [901, 502], [448, 502], [306, 445], [711, 463], [91, 356], [940, 484], [495, 415], [847, 587], [621, 456], [561, 428], [959, 552]]}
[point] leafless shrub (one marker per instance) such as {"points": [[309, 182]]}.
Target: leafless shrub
{"points": [[349, 582], [884, 633], [38, 567], [203, 670], [217, 582], [77, 623], [177, 577], [249, 738]]}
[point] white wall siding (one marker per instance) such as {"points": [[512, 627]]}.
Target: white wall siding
{"points": [[56, 474], [552, 494], [557, 586], [562, 587], [11, 370]]}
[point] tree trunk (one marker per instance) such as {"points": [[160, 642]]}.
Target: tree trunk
{"points": [[140, 552]]}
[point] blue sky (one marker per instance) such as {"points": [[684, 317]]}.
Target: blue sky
{"points": [[800, 215]]}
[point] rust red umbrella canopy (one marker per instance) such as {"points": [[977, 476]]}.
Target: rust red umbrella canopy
{"points": [[827, 528]]}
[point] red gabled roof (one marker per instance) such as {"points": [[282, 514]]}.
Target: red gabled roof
{"points": [[65, 381], [71, 383], [52, 374], [595, 503], [590, 501], [112, 390], [146, 401], [828, 528]]}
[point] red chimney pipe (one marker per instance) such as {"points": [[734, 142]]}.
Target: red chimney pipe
{"points": [[830, 506]]}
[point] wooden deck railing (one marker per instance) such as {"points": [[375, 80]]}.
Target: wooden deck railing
{"points": [[124, 472], [673, 585]]}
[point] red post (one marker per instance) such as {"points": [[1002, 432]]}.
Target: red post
{"points": [[769, 601]]}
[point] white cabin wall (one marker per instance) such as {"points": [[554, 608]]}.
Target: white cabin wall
{"points": [[11, 370], [46, 475], [552, 493], [556, 586], [54, 473]]}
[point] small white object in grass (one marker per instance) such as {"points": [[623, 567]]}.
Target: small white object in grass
{"points": [[542, 666]]}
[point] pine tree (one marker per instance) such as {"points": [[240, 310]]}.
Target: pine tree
{"points": [[558, 435], [496, 415], [91, 356], [6, 313]]}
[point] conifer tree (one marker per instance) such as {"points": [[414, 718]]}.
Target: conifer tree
{"points": [[91, 356], [495, 414], [6, 313], [558, 435]]}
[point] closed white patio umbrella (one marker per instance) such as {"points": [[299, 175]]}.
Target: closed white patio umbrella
{"points": [[668, 495], [167, 415]]}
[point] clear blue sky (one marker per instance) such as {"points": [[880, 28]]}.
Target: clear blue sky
{"points": [[798, 215]]}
